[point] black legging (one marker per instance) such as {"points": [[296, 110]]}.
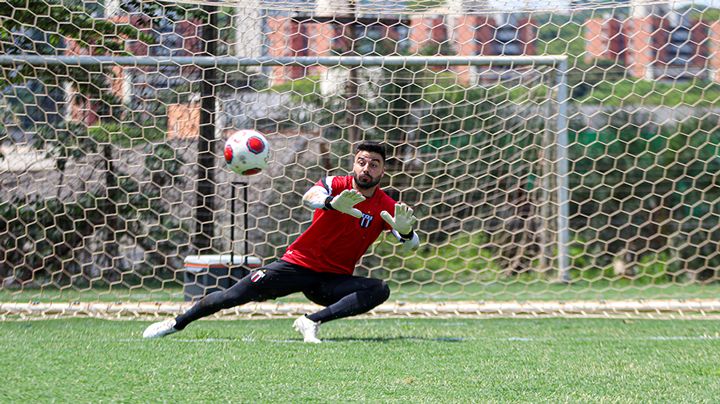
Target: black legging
{"points": [[342, 295]]}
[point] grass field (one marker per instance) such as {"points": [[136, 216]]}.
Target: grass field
{"points": [[405, 360]]}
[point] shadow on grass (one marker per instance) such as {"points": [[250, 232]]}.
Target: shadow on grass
{"points": [[394, 339], [200, 337], [376, 340]]}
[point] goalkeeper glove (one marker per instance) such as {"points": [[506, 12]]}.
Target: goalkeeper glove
{"points": [[345, 201], [403, 221]]}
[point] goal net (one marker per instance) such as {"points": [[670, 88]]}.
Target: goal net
{"points": [[561, 158]]}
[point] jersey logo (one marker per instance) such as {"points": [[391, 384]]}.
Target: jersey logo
{"points": [[259, 274], [365, 220]]}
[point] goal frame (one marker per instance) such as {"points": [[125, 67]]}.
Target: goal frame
{"points": [[560, 95]]}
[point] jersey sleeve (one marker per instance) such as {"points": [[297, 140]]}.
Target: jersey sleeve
{"points": [[315, 197], [328, 183]]}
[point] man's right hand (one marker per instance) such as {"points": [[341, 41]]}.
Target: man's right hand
{"points": [[346, 200]]}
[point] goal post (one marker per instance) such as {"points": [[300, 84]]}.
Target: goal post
{"points": [[558, 89]]}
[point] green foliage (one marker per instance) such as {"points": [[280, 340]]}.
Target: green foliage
{"points": [[560, 35], [304, 90], [423, 5], [471, 257], [124, 209], [650, 270], [650, 190], [444, 48], [73, 140], [700, 12], [452, 108], [653, 269], [125, 134], [46, 239], [693, 93], [462, 256], [58, 20]]}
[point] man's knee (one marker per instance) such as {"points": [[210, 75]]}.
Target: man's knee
{"points": [[381, 291]]}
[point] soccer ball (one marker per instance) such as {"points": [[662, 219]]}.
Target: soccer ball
{"points": [[247, 152]]}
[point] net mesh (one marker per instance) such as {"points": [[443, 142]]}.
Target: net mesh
{"points": [[114, 198]]}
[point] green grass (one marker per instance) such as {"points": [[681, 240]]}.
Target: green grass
{"points": [[400, 360]]}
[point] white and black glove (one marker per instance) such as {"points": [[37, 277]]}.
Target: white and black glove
{"points": [[403, 220], [345, 202]]}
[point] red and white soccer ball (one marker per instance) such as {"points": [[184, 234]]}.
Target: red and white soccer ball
{"points": [[247, 152]]}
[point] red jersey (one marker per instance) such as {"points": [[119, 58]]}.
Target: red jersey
{"points": [[336, 241]]}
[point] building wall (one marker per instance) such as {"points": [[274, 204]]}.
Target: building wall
{"points": [[121, 83], [429, 34], [605, 39], [648, 46], [700, 36], [320, 40], [713, 48], [285, 37], [421, 32], [183, 121], [466, 44], [527, 32], [641, 53]]}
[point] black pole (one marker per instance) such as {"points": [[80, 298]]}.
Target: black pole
{"points": [[351, 87], [245, 206], [233, 198], [232, 226], [205, 192]]}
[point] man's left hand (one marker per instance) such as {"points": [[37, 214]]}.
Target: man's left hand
{"points": [[403, 220]]}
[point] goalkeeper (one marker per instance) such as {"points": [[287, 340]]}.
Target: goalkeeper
{"points": [[320, 263]]}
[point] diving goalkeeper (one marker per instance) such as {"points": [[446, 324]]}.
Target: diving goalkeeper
{"points": [[321, 261]]}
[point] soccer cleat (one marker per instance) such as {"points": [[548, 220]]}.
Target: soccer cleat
{"points": [[160, 329], [308, 329]]}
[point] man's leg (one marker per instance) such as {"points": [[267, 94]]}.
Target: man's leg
{"points": [[275, 280], [346, 296], [242, 292]]}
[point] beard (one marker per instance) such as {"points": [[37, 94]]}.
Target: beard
{"points": [[366, 184]]}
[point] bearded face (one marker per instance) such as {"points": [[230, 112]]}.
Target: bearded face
{"points": [[366, 181], [368, 169]]}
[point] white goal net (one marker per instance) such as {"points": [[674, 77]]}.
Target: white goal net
{"points": [[561, 158]]}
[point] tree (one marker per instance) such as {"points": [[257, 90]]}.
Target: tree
{"points": [[54, 27]]}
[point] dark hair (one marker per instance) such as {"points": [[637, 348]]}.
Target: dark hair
{"points": [[372, 147]]}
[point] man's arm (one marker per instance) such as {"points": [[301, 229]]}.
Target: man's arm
{"points": [[318, 197], [315, 197]]}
